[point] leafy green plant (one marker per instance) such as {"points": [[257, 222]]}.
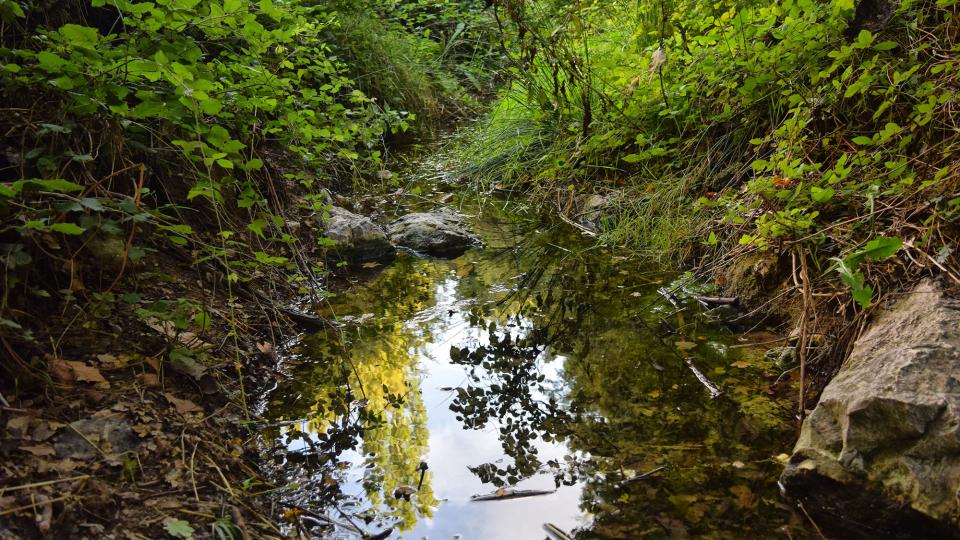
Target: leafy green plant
{"points": [[848, 267]]}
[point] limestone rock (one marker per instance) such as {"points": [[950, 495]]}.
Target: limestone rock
{"points": [[356, 238], [881, 451], [440, 233]]}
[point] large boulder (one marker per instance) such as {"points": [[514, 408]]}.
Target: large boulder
{"points": [[440, 233], [880, 454], [356, 238]]}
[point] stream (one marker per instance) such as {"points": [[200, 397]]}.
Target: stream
{"points": [[540, 361]]}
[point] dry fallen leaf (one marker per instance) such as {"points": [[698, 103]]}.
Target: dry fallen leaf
{"points": [[18, 426], [153, 362], [60, 371], [70, 371], [41, 450], [183, 406]]}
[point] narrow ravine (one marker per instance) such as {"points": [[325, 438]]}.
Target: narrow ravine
{"points": [[542, 362]]}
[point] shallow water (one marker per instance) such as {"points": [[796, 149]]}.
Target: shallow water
{"points": [[540, 361]]}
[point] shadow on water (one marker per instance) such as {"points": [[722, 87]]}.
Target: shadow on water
{"points": [[538, 362]]}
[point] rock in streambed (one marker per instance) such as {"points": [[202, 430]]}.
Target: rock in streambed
{"points": [[356, 238], [440, 233], [880, 454]]}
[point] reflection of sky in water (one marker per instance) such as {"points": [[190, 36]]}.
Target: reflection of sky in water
{"points": [[453, 449]]}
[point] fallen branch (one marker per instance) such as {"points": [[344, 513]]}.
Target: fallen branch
{"points": [[712, 388]]}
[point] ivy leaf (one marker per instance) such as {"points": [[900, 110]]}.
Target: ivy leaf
{"points": [[178, 528], [92, 203]]}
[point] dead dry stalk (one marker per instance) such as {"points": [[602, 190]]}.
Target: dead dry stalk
{"points": [[804, 330]]}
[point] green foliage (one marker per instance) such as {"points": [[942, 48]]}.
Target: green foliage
{"points": [[874, 250], [195, 125], [750, 122]]}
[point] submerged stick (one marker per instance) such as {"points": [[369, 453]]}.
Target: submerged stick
{"points": [[717, 300], [712, 388], [503, 494], [643, 476], [556, 532]]}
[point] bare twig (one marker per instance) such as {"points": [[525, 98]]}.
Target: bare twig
{"points": [[41, 484]]}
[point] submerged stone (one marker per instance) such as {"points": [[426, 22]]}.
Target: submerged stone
{"points": [[440, 233], [595, 211], [880, 454], [356, 238]]}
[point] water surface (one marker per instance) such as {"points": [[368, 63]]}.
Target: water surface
{"points": [[540, 361]]}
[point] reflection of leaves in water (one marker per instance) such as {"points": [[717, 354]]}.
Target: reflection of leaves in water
{"points": [[626, 403], [359, 389], [629, 404], [512, 395]]}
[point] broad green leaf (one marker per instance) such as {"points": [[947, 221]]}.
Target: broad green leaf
{"points": [[50, 62], [821, 195], [177, 229], [67, 228], [55, 185], [881, 248], [79, 35]]}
